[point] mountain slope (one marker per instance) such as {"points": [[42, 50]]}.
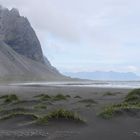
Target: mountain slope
{"points": [[17, 32], [14, 66]]}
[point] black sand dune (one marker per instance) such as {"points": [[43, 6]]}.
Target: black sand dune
{"points": [[80, 100]]}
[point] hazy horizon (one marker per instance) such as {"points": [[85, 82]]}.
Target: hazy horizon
{"points": [[86, 35]]}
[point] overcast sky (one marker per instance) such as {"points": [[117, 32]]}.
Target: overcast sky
{"points": [[86, 35]]}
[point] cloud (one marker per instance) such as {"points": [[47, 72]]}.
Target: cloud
{"points": [[75, 20]]}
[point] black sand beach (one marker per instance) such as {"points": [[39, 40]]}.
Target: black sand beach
{"points": [[123, 127]]}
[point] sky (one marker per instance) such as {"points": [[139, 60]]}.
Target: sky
{"points": [[86, 35]]}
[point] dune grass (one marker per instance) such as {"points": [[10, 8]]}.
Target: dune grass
{"points": [[133, 97], [88, 101], [130, 103], [109, 94], [16, 114], [44, 119], [14, 110], [10, 98], [60, 114], [9, 112], [78, 97], [68, 96], [40, 106], [43, 97], [58, 97]]}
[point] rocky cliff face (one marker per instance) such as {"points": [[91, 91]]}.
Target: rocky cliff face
{"points": [[16, 67], [21, 56], [17, 32]]}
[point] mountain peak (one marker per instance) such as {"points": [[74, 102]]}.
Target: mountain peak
{"points": [[16, 31], [15, 12]]}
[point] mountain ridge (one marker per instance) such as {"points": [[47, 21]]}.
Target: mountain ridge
{"points": [[102, 75]]}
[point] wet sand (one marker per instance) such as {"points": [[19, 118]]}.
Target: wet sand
{"points": [[125, 127]]}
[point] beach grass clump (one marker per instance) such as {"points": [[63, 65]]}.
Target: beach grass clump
{"points": [[117, 109], [43, 97], [40, 106], [131, 103], [60, 114], [88, 101], [59, 97], [133, 97], [109, 94], [3, 96], [14, 110], [10, 98], [68, 96], [108, 112], [17, 114], [77, 97]]}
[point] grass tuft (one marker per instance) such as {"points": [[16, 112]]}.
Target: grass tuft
{"points": [[117, 109], [68, 96], [10, 98], [133, 97], [131, 103], [59, 97], [16, 114], [43, 97], [78, 97], [89, 101], [109, 94], [40, 106], [60, 114]]}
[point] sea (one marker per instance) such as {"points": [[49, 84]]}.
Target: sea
{"points": [[99, 84]]}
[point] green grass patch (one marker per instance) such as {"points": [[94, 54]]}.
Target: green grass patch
{"points": [[43, 97], [60, 114], [109, 94], [111, 111], [14, 110], [17, 114], [40, 106], [68, 96], [133, 97], [59, 97], [131, 103], [88, 101], [10, 98], [78, 97]]}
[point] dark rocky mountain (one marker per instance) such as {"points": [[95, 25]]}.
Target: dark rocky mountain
{"points": [[17, 32], [21, 56]]}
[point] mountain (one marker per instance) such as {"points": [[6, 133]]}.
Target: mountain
{"points": [[17, 32], [21, 56], [101, 75]]}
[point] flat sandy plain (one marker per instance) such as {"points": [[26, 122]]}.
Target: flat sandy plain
{"points": [[123, 127]]}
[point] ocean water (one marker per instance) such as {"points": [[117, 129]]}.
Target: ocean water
{"points": [[101, 84]]}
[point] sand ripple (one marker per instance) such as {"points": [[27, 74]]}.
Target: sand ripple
{"points": [[23, 133]]}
